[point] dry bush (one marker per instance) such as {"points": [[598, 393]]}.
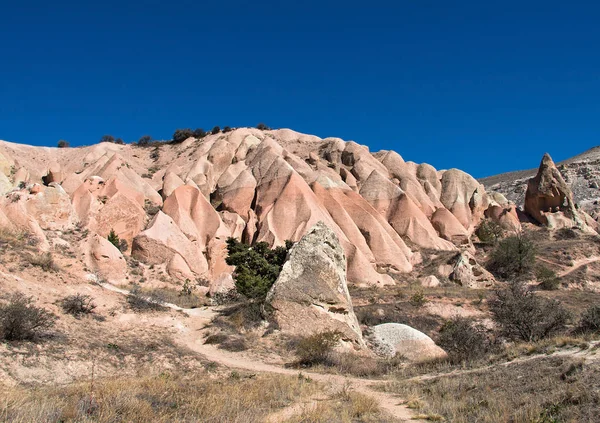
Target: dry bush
{"points": [[464, 340], [362, 366], [547, 278], [240, 317], [522, 315], [590, 320], [142, 302], [158, 399], [77, 304], [44, 260], [234, 343], [513, 257], [21, 320], [317, 348]]}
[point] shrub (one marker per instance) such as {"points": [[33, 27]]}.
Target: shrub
{"points": [[113, 238], [62, 144], [181, 135], [21, 320], [199, 133], [119, 141], [523, 315], [418, 299], [77, 304], [548, 279], [463, 340], [262, 127], [513, 257], [489, 232], [590, 320], [317, 348], [45, 261], [144, 140], [107, 138], [155, 155], [227, 129], [215, 130], [256, 268], [123, 245], [144, 302]]}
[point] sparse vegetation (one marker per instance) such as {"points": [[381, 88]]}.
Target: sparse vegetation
{"points": [[215, 130], [113, 238], [522, 315], [547, 278], [317, 348], [513, 257], [590, 320], [181, 135], [227, 129], [464, 340], [21, 320], [144, 140], [199, 133], [145, 301], [489, 232], [62, 144], [78, 305], [256, 267], [262, 127], [45, 261]]}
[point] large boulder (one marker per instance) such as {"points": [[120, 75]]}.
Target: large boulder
{"points": [[106, 259], [390, 339], [311, 295], [468, 273]]}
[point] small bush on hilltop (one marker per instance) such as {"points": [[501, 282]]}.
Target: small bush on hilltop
{"points": [[199, 133], [215, 130], [317, 348], [62, 144], [21, 320], [489, 232], [77, 304], [256, 267], [262, 127], [180, 135], [522, 315], [513, 257], [463, 340], [144, 140]]}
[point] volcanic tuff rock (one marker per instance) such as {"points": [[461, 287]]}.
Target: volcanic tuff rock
{"points": [[389, 339], [255, 185], [311, 295]]}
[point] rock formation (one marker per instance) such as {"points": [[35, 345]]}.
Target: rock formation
{"points": [[549, 199], [311, 294]]}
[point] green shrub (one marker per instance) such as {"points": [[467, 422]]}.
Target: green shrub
{"points": [[113, 238], [199, 133], [215, 130], [463, 340], [77, 304], [227, 129], [21, 320], [522, 315], [256, 267], [590, 320], [317, 348], [107, 138], [181, 135], [489, 232], [62, 144], [513, 257], [144, 140], [418, 299], [547, 278], [262, 127]]}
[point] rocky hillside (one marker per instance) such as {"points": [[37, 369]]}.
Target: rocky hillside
{"points": [[174, 205], [581, 173]]}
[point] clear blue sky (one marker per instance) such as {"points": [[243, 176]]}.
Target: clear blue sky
{"points": [[483, 86]]}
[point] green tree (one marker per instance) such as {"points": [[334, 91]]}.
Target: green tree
{"points": [[181, 135], [113, 238], [256, 267], [513, 257], [215, 130], [107, 138]]}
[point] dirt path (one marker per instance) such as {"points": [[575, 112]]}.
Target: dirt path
{"points": [[577, 264], [190, 336]]}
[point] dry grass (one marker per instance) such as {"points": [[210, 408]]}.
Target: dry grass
{"points": [[162, 398], [344, 407], [541, 390]]}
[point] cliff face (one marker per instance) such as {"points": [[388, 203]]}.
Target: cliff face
{"points": [[176, 204]]}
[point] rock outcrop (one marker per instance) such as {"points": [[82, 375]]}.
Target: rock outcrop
{"points": [[390, 339], [467, 272], [311, 294], [549, 199]]}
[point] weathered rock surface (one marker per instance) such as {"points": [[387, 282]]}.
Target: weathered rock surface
{"points": [[390, 339], [311, 294], [467, 272], [106, 259]]}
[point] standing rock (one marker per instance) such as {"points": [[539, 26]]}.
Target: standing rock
{"points": [[467, 272], [311, 295], [106, 259]]}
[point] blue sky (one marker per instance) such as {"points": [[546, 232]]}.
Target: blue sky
{"points": [[483, 86]]}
